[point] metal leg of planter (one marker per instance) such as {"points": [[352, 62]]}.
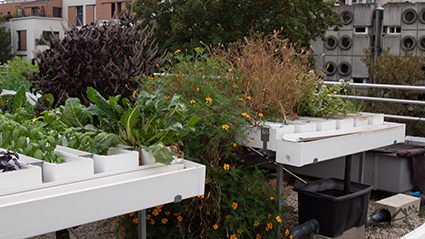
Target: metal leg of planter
{"points": [[141, 215], [347, 176], [361, 167], [279, 182]]}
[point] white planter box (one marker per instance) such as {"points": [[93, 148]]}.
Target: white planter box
{"points": [[27, 176], [147, 158], [307, 148], [73, 167], [116, 159], [96, 197]]}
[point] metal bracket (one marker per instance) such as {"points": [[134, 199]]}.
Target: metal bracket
{"points": [[86, 155], [265, 137], [178, 198]]}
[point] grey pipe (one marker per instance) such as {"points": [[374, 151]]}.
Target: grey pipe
{"points": [[306, 228]]}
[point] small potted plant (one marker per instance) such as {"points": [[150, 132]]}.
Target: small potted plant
{"points": [[16, 173]]}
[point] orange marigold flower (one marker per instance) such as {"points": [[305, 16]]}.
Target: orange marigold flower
{"points": [[233, 236], [177, 51], [226, 166], [228, 217], [278, 219], [225, 126], [234, 205], [234, 145], [241, 98], [256, 223], [271, 198], [249, 97], [197, 89], [131, 214], [167, 97], [167, 213], [175, 214], [136, 220], [215, 226], [269, 215], [151, 78], [261, 115], [206, 181], [192, 101], [117, 221], [208, 100], [180, 218], [148, 217], [152, 222], [258, 236], [164, 221], [235, 86], [177, 75]]}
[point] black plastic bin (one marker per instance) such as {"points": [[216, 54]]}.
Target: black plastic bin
{"points": [[324, 201]]}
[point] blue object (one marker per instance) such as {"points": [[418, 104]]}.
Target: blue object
{"points": [[416, 194]]}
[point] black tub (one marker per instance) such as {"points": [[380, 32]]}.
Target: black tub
{"points": [[324, 201]]}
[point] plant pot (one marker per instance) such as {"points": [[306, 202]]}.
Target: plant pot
{"points": [[27, 176], [116, 159], [73, 167], [324, 201]]}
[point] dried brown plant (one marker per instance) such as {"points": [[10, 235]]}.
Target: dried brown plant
{"points": [[275, 75]]}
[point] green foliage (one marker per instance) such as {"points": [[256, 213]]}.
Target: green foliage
{"points": [[237, 202], [104, 56], [321, 101], [183, 24], [153, 121], [35, 137], [403, 69], [16, 74], [5, 46]]}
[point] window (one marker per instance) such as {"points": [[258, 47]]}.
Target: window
{"points": [[112, 9], [79, 15], [393, 30], [34, 11], [45, 36], [20, 12], [119, 7], [22, 40], [360, 30], [57, 12]]}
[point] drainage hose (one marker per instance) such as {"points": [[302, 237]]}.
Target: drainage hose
{"points": [[306, 228], [382, 216]]}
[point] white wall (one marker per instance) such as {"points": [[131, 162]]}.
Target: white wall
{"points": [[34, 26]]}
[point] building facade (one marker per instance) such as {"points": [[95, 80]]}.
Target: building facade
{"points": [[369, 24], [34, 20]]}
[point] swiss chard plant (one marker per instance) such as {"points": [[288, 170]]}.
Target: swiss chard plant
{"points": [[9, 161], [153, 121]]}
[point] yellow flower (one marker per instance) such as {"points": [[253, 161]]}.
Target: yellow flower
{"points": [[234, 145], [134, 94], [215, 226], [197, 89], [235, 86], [234, 205], [244, 114], [258, 236], [270, 225], [177, 75], [256, 223], [261, 115], [271, 198], [122, 229], [164, 221], [208, 100], [117, 221], [249, 142], [286, 232], [240, 231], [202, 196], [278, 219], [167, 97], [175, 214], [122, 215], [226, 166], [228, 217], [192, 101], [269, 215], [233, 236], [225, 126], [151, 78], [167, 213], [180, 218], [249, 97], [155, 212], [206, 181], [241, 98], [136, 220], [152, 222], [131, 214], [148, 217], [197, 48], [177, 51]]}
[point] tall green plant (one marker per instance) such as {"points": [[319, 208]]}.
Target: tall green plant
{"points": [[5, 46], [103, 56], [15, 74]]}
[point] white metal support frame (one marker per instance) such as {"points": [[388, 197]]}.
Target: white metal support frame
{"points": [[64, 204]]}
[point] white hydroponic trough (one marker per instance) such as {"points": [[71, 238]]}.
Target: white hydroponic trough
{"points": [[310, 140], [63, 204]]}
